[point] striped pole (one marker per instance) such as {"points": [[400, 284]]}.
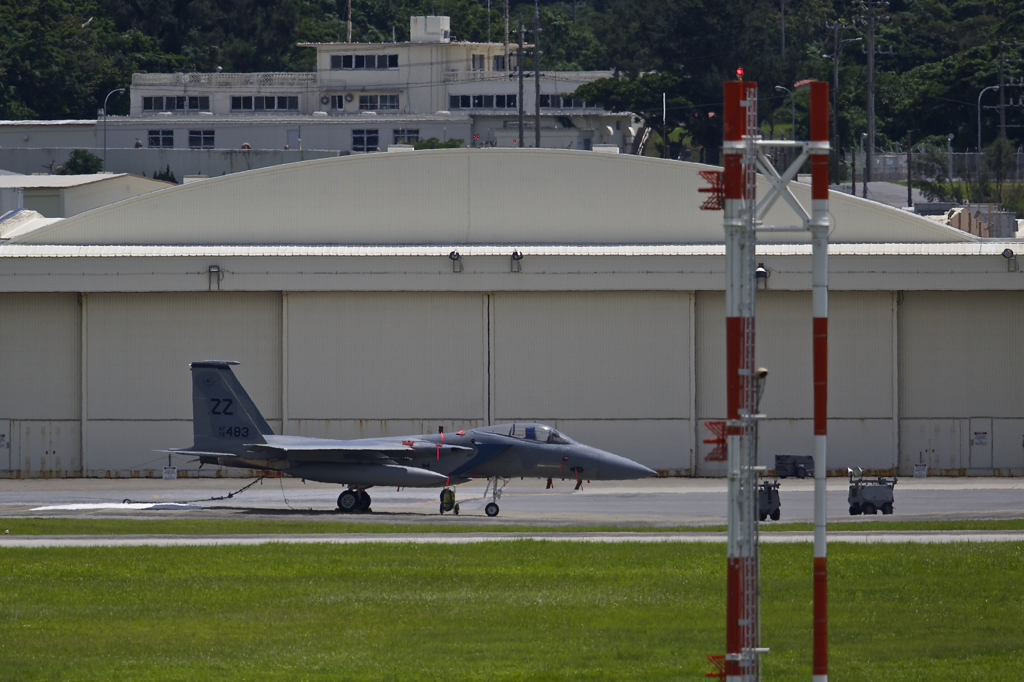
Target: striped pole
{"points": [[738, 325], [819, 149]]}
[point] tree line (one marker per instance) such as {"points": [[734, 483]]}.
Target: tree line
{"points": [[59, 58]]}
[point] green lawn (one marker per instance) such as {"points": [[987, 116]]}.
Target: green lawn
{"points": [[516, 610], [343, 524]]}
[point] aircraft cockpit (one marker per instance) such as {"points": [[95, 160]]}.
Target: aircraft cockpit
{"points": [[531, 431]]}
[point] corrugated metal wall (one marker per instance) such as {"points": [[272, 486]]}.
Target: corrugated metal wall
{"points": [[612, 369]]}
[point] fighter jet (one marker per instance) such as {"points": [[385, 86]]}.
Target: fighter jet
{"points": [[229, 431]]}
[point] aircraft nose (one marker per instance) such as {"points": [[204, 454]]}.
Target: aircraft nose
{"points": [[609, 467]]}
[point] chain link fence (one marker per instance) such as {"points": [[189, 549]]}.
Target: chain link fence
{"points": [[893, 167]]}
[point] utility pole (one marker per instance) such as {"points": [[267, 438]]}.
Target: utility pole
{"points": [[349, 22], [1002, 88], [910, 172], [868, 19], [506, 36], [782, 12], [837, 47], [519, 65], [536, 74], [1002, 96]]}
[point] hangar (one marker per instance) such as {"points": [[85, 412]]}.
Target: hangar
{"points": [[394, 293]]}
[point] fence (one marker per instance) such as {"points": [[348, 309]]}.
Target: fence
{"points": [[889, 167]]}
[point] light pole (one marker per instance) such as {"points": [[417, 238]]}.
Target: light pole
{"points": [[991, 87], [792, 109], [949, 158], [105, 124]]}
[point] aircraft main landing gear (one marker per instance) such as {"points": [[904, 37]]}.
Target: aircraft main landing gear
{"points": [[448, 501], [491, 509], [354, 501]]}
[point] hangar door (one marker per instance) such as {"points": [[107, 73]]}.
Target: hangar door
{"points": [[609, 368]]}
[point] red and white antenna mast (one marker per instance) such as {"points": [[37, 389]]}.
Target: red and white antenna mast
{"points": [[743, 213]]}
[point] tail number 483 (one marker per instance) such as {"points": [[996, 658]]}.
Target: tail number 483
{"points": [[233, 432]]}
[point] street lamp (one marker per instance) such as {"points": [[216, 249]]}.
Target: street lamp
{"points": [[949, 158], [105, 124], [991, 87], [792, 108]]}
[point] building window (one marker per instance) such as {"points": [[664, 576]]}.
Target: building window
{"points": [[279, 103], [365, 61], [478, 62], [559, 102], [499, 62], [482, 101], [365, 141], [338, 102], [161, 138], [378, 102], [405, 136], [200, 139], [263, 103], [174, 103]]}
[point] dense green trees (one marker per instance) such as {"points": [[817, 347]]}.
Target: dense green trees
{"points": [[59, 58]]}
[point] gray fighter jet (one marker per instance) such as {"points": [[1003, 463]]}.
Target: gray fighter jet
{"points": [[229, 431]]}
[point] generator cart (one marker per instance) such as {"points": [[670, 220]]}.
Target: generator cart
{"points": [[768, 503], [871, 495]]}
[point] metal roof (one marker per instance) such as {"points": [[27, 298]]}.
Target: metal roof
{"points": [[462, 196], [26, 181], [14, 250]]}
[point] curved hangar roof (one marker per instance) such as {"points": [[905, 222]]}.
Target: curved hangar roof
{"points": [[463, 196]]}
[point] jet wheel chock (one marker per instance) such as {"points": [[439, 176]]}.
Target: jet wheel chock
{"points": [[491, 509]]}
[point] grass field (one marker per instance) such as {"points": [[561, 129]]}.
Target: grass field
{"points": [[514, 610], [65, 526]]}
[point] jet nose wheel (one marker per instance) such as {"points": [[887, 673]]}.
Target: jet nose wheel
{"points": [[491, 509]]}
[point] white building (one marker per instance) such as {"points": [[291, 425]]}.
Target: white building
{"points": [[333, 282], [362, 97], [62, 196]]}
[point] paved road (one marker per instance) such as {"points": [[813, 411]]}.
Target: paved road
{"points": [[657, 502], [886, 537]]}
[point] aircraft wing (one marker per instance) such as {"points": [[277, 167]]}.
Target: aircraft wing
{"points": [[364, 449]]}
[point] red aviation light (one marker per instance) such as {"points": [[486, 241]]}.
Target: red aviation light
{"points": [[739, 73]]}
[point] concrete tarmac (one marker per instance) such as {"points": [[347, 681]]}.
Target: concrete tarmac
{"points": [[655, 502]]}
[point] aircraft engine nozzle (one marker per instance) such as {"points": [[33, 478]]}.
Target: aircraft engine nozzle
{"points": [[366, 475]]}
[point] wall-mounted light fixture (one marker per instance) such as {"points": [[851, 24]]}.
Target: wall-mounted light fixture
{"points": [[213, 272], [514, 264], [761, 275], [456, 259], [1011, 260]]}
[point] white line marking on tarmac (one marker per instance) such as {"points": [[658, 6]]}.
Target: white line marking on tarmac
{"points": [[889, 537], [164, 506]]}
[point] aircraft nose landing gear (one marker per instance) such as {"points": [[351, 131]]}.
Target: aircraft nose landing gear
{"points": [[491, 509], [354, 501], [448, 501]]}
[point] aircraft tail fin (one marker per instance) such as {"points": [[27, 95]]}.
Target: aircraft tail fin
{"points": [[224, 417]]}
